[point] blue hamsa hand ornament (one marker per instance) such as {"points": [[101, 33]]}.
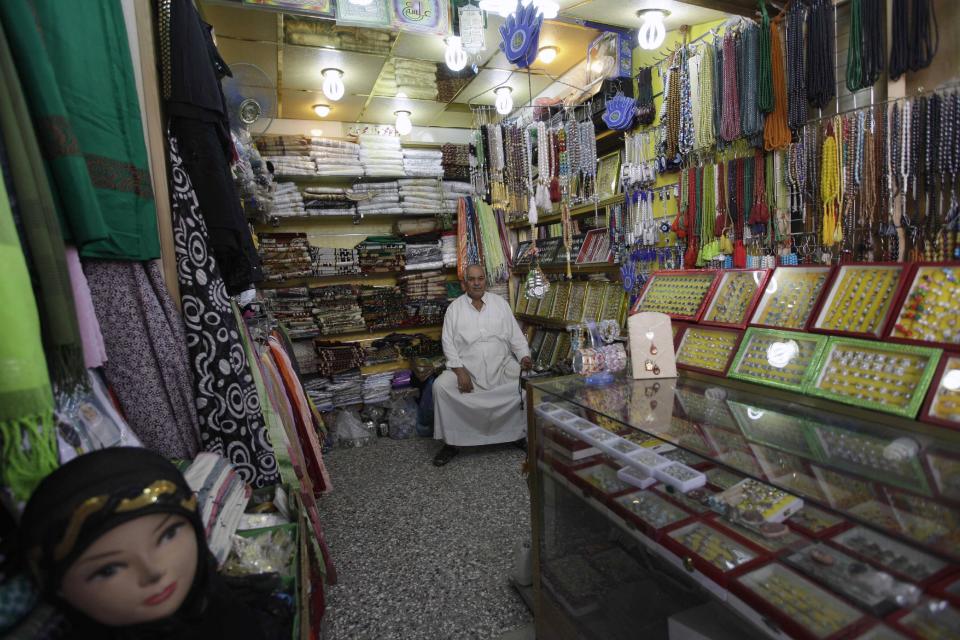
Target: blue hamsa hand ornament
{"points": [[520, 35]]}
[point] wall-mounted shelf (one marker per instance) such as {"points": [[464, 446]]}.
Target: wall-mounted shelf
{"points": [[341, 180], [595, 267], [583, 210], [374, 334], [543, 322], [346, 278], [338, 219]]}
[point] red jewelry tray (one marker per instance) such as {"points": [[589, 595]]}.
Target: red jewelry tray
{"points": [[772, 281], [730, 356], [760, 277], [692, 560], [597, 492], [642, 525], [559, 442], [948, 362], [686, 500], [829, 291], [948, 588], [801, 522], [681, 272], [903, 299], [896, 620]]}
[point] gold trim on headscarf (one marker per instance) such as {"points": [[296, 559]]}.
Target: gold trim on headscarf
{"points": [[150, 495], [80, 515]]}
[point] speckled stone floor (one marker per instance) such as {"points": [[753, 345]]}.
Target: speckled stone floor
{"points": [[424, 552]]}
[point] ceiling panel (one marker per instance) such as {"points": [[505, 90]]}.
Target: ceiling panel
{"points": [[299, 105], [261, 54], [480, 90], [419, 47], [241, 22], [453, 118], [381, 110], [624, 14], [571, 42], [302, 67]]}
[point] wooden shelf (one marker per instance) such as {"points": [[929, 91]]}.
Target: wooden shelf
{"points": [[383, 367], [337, 219], [595, 267], [553, 218], [348, 278], [543, 322], [337, 180], [376, 334]]}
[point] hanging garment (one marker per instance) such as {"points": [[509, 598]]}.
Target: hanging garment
{"points": [[88, 122], [147, 364], [94, 350], [228, 406], [26, 400], [489, 344], [34, 212]]}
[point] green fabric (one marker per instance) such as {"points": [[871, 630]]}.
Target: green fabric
{"points": [[41, 231], [74, 62], [26, 400]]}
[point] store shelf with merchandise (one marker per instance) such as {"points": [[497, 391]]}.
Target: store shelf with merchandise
{"points": [[582, 210], [737, 488]]}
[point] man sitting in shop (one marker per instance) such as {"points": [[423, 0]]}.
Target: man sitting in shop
{"points": [[477, 399]]}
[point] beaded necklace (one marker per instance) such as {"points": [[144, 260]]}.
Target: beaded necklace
{"points": [[730, 129], [830, 189], [543, 166], [751, 121], [671, 117], [796, 71], [718, 103], [776, 133], [685, 136], [720, 224], [705, 134]]}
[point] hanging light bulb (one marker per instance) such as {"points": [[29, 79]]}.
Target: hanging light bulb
{"points": [[455, 56], [504, 102], [332, 83], [322, 110], [547, 54], [652, 30], [404, 124]]}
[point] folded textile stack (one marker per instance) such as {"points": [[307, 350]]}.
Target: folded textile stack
{"points": [[317, 389], [335, 310], [416, 79], [285, 256], [328, 201], [293, 146], [293, 309], [379, 198], [502, 289], [450, 83], [422, 257], [329, 35], [423, 162], [424, 285], [381, 156], [342, 389], [383, 307], [365, 40], [331, 261], [455, 190], [335, 157], [287, 201], [456, 162], [222, 496], [338, 357], [382, 354], [376, 387], [386, 84], [425, 196], [401, 379], [381, 254], [426, 312], [291, 165], [448, 247], [306, 356]]}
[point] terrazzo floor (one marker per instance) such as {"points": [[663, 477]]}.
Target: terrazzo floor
{"points": [[421, 551]]}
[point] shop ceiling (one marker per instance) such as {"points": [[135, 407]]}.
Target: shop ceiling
{"points": [[292, 51]]}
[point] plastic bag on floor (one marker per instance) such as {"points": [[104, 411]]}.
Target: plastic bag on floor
{"points": [[403, 418], [349, 430]]}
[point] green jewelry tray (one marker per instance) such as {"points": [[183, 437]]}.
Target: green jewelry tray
{"points": [[810, 350], [917, 394]]}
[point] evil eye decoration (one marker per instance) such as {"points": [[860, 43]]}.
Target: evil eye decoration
{"points": [[620, 111], [520, 35]]}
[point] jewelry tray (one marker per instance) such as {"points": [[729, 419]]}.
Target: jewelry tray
{"points": [[782, 359], [735, 297], [793, 292], [682, 295], [707, 349], [930, 302], [942, 405], [872, 289]]}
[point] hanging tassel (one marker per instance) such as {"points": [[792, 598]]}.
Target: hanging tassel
{"points": [[543, 197], [739, 255], [29, 452], [555, 190], [690, 257], [532, 212]]}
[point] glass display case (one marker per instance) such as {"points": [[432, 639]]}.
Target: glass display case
{"points": [[767, 513]]}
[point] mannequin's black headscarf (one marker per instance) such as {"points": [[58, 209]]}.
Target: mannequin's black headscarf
{"points": [[98, 491]]}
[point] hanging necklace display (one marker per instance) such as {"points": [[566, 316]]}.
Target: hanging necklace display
{"points": [[821, 77], [796, 70], [645, 109], [543, 167]]}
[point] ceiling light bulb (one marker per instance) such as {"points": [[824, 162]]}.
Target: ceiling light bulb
{"points": [[548, 8], [322, 110], [504, 102], [652, 31], [547, 54], [333, 84], [455, 56], [404, 124]]}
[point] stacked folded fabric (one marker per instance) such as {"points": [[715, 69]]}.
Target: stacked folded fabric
{"points": [[381, 156], [421, 257], [450, 83], [337, 358], [287, 201], [332, 261], [381, 355], [279, 146], [426, 312], [381, 254], [347, 388], [365, 40], [317, 389], [401, 379], [502, 289], [293, 309], [456, 190], [380, 198], [424, 285], [292, 165], [386, 84], [448, 247], [306, 356], [335, 310], [222, 496], [376, 387], [423, 162], [383, 307], [335, 157], [329, 35], [328, 201], [416, 79], [425, 195], [285, 256], [456, 162]]}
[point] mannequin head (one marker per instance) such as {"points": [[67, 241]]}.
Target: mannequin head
{"points": [[114, 534]]}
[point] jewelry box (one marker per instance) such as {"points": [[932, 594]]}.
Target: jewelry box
{"points": [[783, 359], [593, 302], [890, 555], [815, 522], [772, 428], [601, 479], [694, 500], [804, 609], [942, 405], [881, 632], [574, 310], [573, 449], [790, 297], [613, 303], [562, 352], [713, 552], [547, 301], [929, 313], [521, 301], [699, 408], [559, 307], [927, 521], [756, 502], [772, 538], [860, 299], [682, 295], [545, 356], [944, 469], [892, 378], [735, 297], [649, 512], [708, 349]]}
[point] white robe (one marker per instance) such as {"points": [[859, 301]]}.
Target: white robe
{"points": [[490, 345]]}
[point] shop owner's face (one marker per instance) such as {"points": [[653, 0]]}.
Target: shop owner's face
{"points": [[140, 571], [475, 280]]}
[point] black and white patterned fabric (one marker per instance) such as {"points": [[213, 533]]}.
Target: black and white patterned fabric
{"points": [[228, 406]]}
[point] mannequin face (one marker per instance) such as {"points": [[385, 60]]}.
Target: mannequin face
{"points": [[139, 571]]}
